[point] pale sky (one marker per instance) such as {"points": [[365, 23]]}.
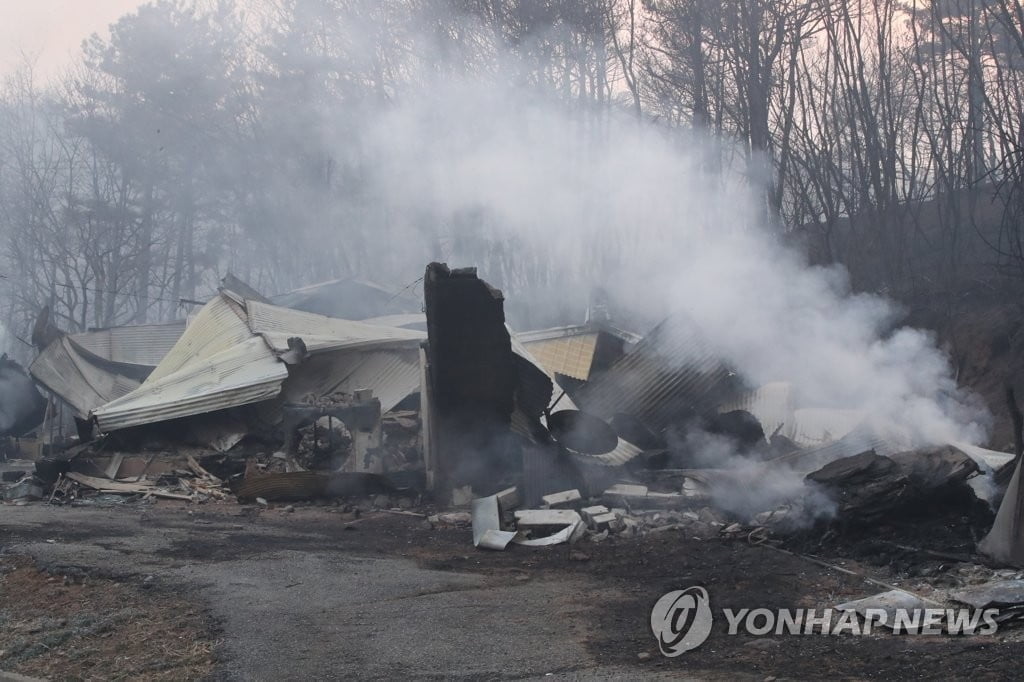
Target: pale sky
{"points": [[52, 31]]}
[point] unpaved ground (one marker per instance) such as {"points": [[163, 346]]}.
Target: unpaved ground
{"points": [[316, 594], [72, 626]]}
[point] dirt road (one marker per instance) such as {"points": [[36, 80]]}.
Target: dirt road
{"points": [[240, 593]]}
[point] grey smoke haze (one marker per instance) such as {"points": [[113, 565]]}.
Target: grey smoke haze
{"points": [[641, 216], [459, 155], [745, 486]]}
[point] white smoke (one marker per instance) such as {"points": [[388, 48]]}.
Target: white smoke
{"points": [[609, 201]]}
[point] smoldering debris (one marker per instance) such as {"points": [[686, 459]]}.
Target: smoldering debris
{"points": [[583, 434]]}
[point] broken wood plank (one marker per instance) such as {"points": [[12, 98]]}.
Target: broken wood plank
{"points": [[108, 486], [402, 512], [114, 466], [198, 470], [164, 494]]}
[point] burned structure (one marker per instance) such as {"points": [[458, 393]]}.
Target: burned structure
{"points": [[549, 436], [470, 378]]}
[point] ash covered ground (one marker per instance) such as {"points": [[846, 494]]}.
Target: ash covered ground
{"points": [[170, 591]]}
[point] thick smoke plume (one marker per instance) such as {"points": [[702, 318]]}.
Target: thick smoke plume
{"points": [[552, 197], [587, 201], [619, 204]]}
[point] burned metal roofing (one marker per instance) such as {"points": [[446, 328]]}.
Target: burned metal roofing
{"points": [[860, 439], [568, 331], [229, 356], [404, 320], [577, 350], [571, 356], [319, 333], [349, 298], [79, 382], [774, 407], [771, 405], [89, 369], [143, 345], [218, 326], [244, 373], [393, 374], [671, 375]]}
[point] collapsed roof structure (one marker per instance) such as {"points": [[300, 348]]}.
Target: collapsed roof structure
{"points": [[237, 352], [349, 298], [483, 410], [90, 369]]}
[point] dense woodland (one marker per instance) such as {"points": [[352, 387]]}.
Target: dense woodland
{"points": [[203, 137]]}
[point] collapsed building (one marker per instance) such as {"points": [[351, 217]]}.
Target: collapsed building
{"points": [[597, 429]]}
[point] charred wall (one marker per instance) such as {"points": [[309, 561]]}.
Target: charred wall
{"points": [[472, 377]]}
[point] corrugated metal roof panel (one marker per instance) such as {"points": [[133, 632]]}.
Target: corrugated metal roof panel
{"points": [[228, 357], [79, 382], [622, 453], [990, 458], [555, 333], [320, 333], [858, 440], [143, 344], [350, 298], [771, 404], [247, 372], [671, 374], [577, 330], [392, 374], [215, 328], [571, 356], [408, 320], [534, 383]]}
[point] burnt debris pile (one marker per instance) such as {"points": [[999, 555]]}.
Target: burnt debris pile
{"points": [[586, 432]]}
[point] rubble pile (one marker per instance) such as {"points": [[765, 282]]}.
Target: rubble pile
{"points": [[582, 433], [325, 444], [80, 477]]}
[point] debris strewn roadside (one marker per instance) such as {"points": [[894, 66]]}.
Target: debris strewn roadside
{"points": [[587, 433]]}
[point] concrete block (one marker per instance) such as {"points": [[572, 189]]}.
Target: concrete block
{"points": [[567, 499], [531, 518]]}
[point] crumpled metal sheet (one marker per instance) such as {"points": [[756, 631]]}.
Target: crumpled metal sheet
{"points": [[142, 346], [405, 320], [393, 374], [996, 594], [229, 356], [218, 326], [487, 531], [83, 385], [889, 602], [1005, 541], [244, 373], [992, 459], [319, 333], [570, 355], [92, 368], [771, 404], [351, 298], [569, 534], [861, 439], [671, 374]]}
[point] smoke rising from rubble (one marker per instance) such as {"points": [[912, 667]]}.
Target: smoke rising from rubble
{"points": [[638, 214], [748, 486], [579, 200]]}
